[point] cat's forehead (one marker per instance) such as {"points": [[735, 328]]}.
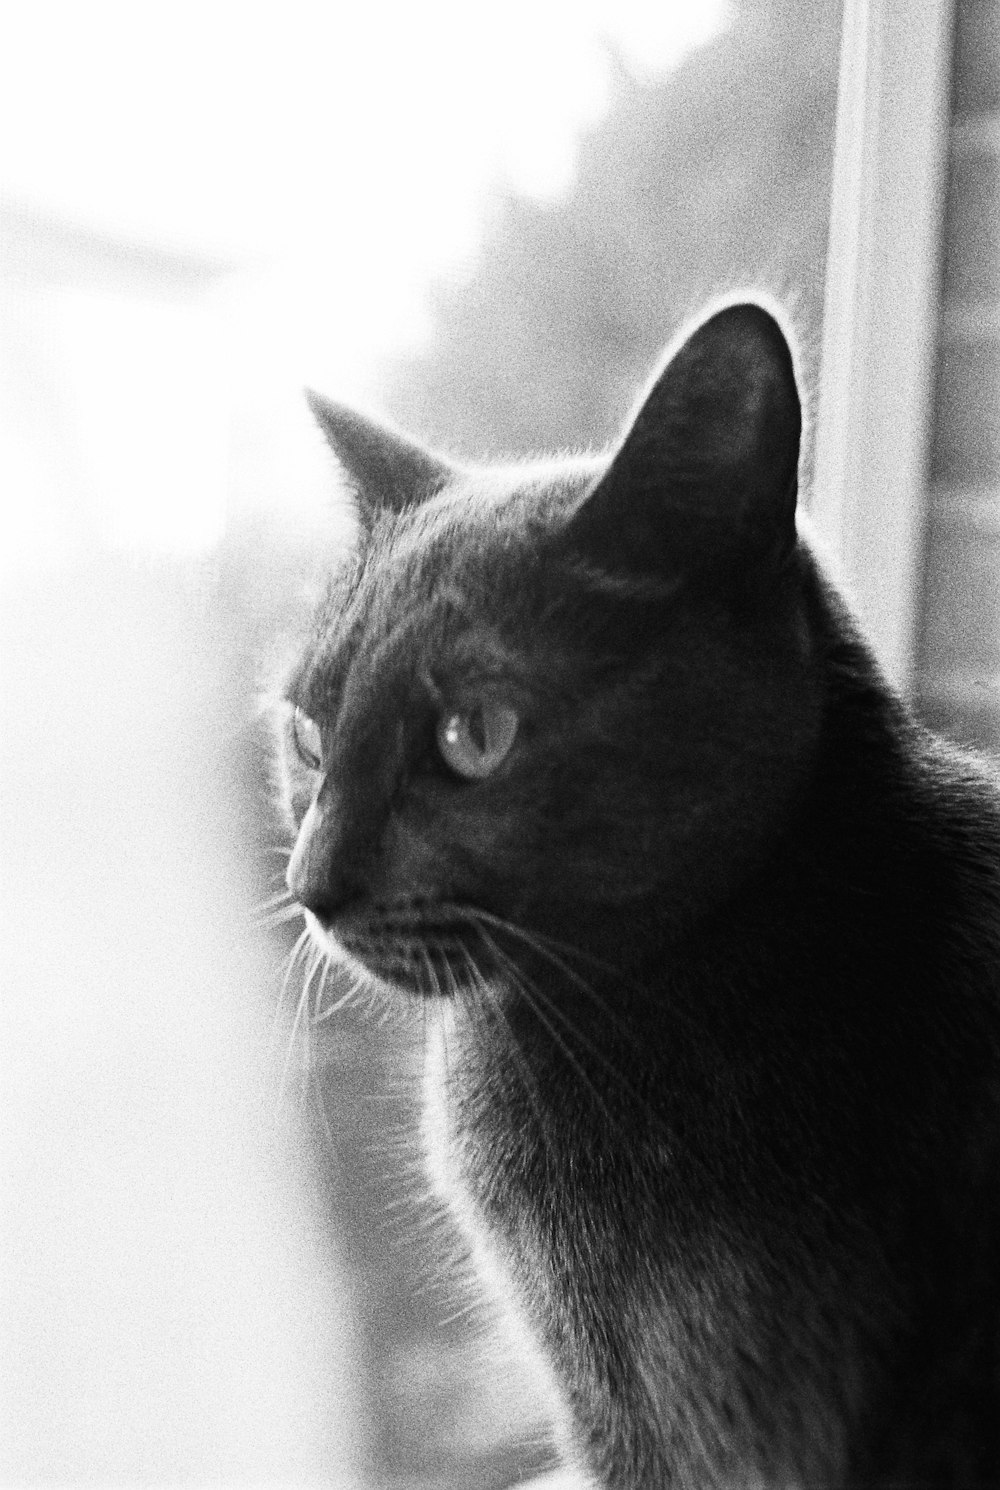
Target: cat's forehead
{"points": [[492, 511], [480, 537], [546, 490], [464, 563]]}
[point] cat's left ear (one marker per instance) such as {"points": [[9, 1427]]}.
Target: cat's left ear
{"points": [[705, 477], [384, 468]]}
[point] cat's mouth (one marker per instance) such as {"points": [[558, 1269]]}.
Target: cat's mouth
{"points": [[435, 949]]}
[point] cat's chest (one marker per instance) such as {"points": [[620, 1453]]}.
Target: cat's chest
{"points": [[456, 1161], [666, 1387], [493, 1159]]}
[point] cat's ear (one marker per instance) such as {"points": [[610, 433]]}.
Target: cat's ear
{"points": [[706, 474], [383, 467]]}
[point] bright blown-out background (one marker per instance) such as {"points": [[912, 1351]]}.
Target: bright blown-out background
{"points": [[218, 1264]]}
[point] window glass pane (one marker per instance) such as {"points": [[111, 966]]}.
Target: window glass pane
{"points": [[487, 221]]}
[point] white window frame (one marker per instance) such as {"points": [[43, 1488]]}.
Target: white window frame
{"points": [[881, 311]]}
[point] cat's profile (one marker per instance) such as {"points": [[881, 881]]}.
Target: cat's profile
{"points": [[592, 755]]}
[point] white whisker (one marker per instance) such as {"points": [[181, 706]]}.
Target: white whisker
{"points": [[320, 1015], [279, 898], [300, 1022], [272, 919], [280, 850], [535, 997], [541, 944], [300, 948], [537, 944], [317, 1086], [521, 1064], [428, 963]]}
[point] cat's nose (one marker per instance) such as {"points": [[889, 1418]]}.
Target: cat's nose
{"points": [[317, 876], [329, 901]]}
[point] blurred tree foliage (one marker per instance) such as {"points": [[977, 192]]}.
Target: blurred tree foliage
{"points": [[713, 177]]}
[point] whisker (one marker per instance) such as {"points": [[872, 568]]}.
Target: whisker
{"points": [[537, 942], [428, 963], [530, 939], [317, 993], [446, 967], [614, 1068], [471, 1309], [442, 1013], [324, 1112], [270, 902], [521, 1063], [300, 1022], [542, 942], [294, 957], [279, 917], [319, 1014], [280, 850], [331, 969], [423, 1027], [535, 997]]}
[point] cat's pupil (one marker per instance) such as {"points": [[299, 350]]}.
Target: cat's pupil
{"points": [[474, 742], [476, 723]]}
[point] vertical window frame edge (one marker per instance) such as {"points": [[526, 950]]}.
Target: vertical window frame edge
{"points": [[881, 312]]}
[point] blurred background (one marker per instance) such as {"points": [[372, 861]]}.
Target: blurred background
{"points": [[219, 1263]]}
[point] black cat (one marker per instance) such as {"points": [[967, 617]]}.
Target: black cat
{"points": [[591, 755]]}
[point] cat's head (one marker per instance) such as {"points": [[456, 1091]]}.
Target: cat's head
{"points": [[552, 694]]}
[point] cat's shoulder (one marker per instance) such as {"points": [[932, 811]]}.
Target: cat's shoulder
{"points": [[958, 796]]}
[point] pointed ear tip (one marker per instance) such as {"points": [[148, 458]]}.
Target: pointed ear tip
{"points": [[321, 407], [318, 405], [757, 314], [339, 423], [757, 333]]}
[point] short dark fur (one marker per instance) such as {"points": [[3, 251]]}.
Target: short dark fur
{"points": [[720, 938]]}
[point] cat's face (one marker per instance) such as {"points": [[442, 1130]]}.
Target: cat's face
{"points": [[534, 696]]}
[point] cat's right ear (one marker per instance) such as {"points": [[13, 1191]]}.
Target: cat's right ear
{"points": [[384, 469], [705, 477]]}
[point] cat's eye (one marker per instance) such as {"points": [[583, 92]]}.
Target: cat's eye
{"points": [[474, 741], [306, 739]]}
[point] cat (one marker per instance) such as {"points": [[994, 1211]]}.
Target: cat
{"points": [[592, 755]]}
